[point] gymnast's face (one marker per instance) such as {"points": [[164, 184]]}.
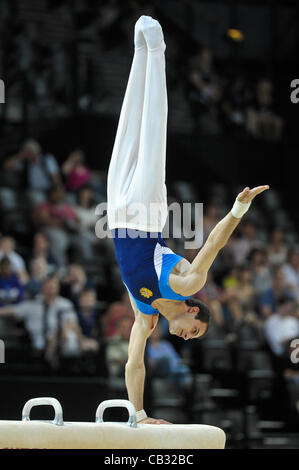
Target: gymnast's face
{"points": [[186, 326]]}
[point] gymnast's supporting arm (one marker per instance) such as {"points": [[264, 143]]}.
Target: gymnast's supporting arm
{"points": [[135, 368], [143, 327]]}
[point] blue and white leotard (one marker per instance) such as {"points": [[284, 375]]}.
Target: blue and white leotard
{"points": [[145, 263]]}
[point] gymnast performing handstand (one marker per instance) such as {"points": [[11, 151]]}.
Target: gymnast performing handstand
{"points": [[157, 280]]}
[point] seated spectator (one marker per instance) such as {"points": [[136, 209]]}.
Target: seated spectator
{"points": [[41, 170], [115, 311], [277, 249], [7, 248], [88, 314], [282, 326], [205, 92], [231, 279], [11, 290], [86, 213], [75, 171], [58, 220], [117, 347], [110, 23], [291, 273], [74, 282], [45, 318], [213, 296], [39, 271], [41, 249], [235, 102], [268, 301], [261, 276], [85, 209], [211, 218], [241, 295], [163, 361], [241, 247], [263, 120]]}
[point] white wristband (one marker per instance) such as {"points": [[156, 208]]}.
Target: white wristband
{"points": [[239, 208], [140, 415]]}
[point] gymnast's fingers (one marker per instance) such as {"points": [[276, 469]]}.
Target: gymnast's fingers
{"points": [[154, 421]]}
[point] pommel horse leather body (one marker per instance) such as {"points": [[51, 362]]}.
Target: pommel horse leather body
{"points": [[58, 434]]}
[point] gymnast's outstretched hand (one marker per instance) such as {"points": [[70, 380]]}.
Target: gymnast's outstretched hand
{"points": [[247, 195], [154, 421]]}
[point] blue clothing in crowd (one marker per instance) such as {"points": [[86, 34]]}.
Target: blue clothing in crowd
{"points": [[11, 290]]}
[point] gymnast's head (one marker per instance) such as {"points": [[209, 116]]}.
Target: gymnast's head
{"points": [[192, 320]]}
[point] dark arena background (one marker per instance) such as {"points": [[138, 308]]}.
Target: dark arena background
{"points": [[64, 67]]}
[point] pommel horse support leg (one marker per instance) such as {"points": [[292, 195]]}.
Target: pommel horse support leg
{"points": [[58, 434]]}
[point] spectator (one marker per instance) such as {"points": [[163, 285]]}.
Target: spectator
{"points": [[115, 311], [205, 92], [117, 347], [277, 250], [268, 301], [291, 273], [46, 317], [39, 271], [235, 103], [75, 171], [282, 326], [86, 213], [41, 249], [261, 277], [11, 290], [88, 314], [7, 248], [74, 282], [58, 220], [240, 296], [164, 361], [241, 247], [214, 297], [41, 170], [211, 218], [85, 209], [110, 24], [263, 120]]}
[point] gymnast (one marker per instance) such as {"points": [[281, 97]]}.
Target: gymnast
{"points": [[157, 280]]}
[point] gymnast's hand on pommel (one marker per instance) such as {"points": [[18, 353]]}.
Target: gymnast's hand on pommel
{"points": [[247, 195], [154, 421]]}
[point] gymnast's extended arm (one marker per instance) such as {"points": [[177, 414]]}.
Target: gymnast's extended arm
{"points": [[195, 277]]}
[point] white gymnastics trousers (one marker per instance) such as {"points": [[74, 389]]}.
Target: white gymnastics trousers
{"points": [[136, 190]]}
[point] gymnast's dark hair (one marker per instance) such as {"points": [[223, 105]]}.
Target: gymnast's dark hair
{"points": [[204, 314]]}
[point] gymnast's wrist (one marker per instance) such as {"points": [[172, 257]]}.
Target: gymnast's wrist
{"points": [[140, 416], [240, 208]]}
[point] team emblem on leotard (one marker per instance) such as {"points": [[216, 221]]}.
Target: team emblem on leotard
{"points": [[146, 292]]}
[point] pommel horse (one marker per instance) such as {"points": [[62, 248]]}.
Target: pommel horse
{"points": [[57, 434]]}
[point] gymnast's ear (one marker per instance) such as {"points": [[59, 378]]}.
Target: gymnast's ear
{"points": [[194, 309], [203, 313]]}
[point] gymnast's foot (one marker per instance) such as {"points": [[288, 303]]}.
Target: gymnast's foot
{"points": [[148, 29], [139, 40]]}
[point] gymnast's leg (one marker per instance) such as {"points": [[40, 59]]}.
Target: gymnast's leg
{"points": [[138, 159], [149, 178], [126, 146]]}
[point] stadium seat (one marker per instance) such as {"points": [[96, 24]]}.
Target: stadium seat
{"points": [[216, 355], [260, 385]]}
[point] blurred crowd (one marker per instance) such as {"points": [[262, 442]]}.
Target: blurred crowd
{"points": [[63, 297], [220, 97], [231, 104]]}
